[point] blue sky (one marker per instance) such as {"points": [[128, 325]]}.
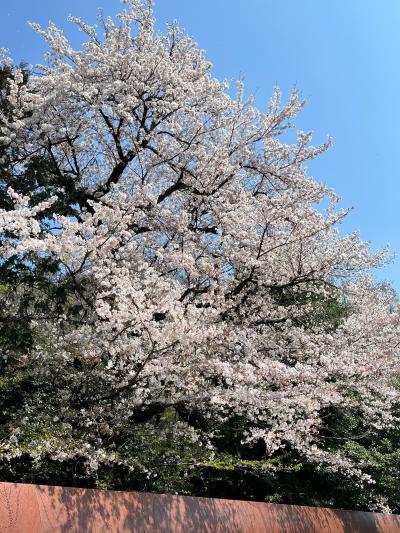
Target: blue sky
{"points": [[342, 55]]}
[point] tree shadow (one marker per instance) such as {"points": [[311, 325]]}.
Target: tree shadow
{"points": [[46, 509]]}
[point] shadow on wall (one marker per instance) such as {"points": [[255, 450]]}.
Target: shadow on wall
{"points": [[42, 509]]}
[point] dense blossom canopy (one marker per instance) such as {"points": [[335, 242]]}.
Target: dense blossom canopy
{"points": [[202, 261]]}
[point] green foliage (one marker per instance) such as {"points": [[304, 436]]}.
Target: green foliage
{"points": [[164, 450], [326, 312]]}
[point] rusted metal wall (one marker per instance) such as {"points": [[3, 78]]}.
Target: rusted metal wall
{"points": [[42, 509]]}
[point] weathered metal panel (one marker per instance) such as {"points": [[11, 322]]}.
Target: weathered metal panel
{"points": [[19, 511], [43, 509]]}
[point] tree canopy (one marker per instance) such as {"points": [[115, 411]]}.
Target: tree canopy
{"points": [[170, 273]]}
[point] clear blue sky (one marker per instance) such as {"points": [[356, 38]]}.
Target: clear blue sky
{"points": [[342, 55]]}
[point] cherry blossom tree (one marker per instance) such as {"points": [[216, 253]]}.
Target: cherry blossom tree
{"points": [[199, 261]]}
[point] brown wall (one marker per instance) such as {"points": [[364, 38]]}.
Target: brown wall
{"points": [[39, 509]]}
